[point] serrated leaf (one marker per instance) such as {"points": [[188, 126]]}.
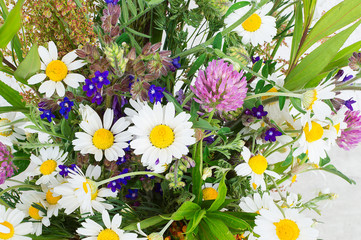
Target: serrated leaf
{"points": [[185, 211], [29, 66], [197, 64], [11, 25]]}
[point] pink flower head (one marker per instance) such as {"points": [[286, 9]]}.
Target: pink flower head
{"points": [[7, 167], [220, 87], [350, 136]]}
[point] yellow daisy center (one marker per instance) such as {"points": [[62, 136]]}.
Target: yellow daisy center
{"points": [[7, 235], [48, 167], [103, 139], [56, 70], [8, 130], [253, 23], [108, 234], [209, 193], [270, 91], [287, 230], [161, 136], [309, 98], [315, 133], [34, 212], [51, 199], [93, 188], [258, 164]]}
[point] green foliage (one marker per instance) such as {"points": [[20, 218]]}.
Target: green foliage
{"points": [[11, 26], [11, 96], [29, 66]]}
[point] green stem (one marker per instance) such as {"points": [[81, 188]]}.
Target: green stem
{"points": [[211, 115], [189, 97], [19, 186], [36, 145], [304, 159], [274, 94], [128, 175]]}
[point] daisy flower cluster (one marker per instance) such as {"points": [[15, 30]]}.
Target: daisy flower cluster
{"points": [[178, 122]]}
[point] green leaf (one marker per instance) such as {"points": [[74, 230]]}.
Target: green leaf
{"points": [[65, 128], [218, 228], [222, 192], [247, 217], [141, 5], [155, 2], [197, 173], [236, 6], [29, 66], [204, 232], [265, 71], [288, 161], [132, 7], [230, 220], [198, 216], [317, 60], [170, 98], [186, 211], [197, 64], [125, 13], [259, 86], [11, 25], [281, 102], [10, 95], [137, 33], [146, 223], [14, 109], [324, 161], [194, 109], [22, 161], [297, 34], [332, 169], [297, 103], [257, 66], [124, 37], [217, 43], [203, 124], [338, 17]]}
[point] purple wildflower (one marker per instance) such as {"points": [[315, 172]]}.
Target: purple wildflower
{"points": [[180, 96], [258, 112], [255, 59], [347, 77], [114, 185], [65, 170], [114, 2], [7, 167], [97, 98], [175, 64], [350, 136], [348, 103], [89, 88], [46, 114], [248, 112], [220, 87], [271, 134], [132, 194], [155, 94], [339, 74], [101, 79], [126, 179], [65, 105], [209, 139]]}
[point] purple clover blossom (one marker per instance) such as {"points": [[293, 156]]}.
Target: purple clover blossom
{"points": [[351, 136], [271, 134], [65, 105], [7, 167], [97, 98], [155, 94], [348, 103], [89, 88], [258, 112], [101, 79], [132, 194], [220, 87], [46, 114]]}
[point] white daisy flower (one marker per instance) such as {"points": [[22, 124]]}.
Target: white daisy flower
{"points": [[9, 131], [312, 142], [258, 28], [210, 191], [273, 224], [335, 127], [94, 231], [160, 135], [53, 198], [82, 192], [102, 136], [11, 227], [256, 203], [57, 71], [255, 167], [313, 102], [47, 164], [27, 200]]}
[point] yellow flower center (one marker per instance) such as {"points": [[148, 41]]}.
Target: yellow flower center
{"points": [[103, 139], [287, 230], [108, 234], [161, 136], [93, 188], [253, 23], [7, 235], [337, 126], [34, 212], [294, 178], [309, 98], [315, 133], [51, 199], [209, 193], [8, 130], [48, 167], [270, 91], [258, 164], [56, 70]]}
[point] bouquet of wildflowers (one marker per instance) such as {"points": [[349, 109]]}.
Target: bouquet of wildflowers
{"points": [[177, 119]]}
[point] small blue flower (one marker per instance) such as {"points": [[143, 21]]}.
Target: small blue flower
{"points": [[347, 77], [114, 2], [248, 112], [101, 79], [348, 103], [89, 88], [97, 98], [255, 59], [114, 185], [65, 105], [271, 134], [175, 64], [155, 93], [258, 112], [46, 114], [65, 169], [133, 194]]}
